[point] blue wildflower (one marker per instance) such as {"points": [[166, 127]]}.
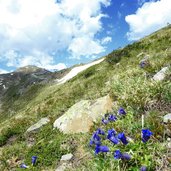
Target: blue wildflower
{"points": [[143, 168], [142, 64], [125, 156], [103, 149], [146, 133], [91, 142], [112, 117], [94, 142], [114, 140], [104, 121], [122, 137], [111, 132], [96, 137], [100, 131], [121, 111], [117, 154], [33, 160], [24, 166]]}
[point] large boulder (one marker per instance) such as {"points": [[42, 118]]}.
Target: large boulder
{"points": [[161, 74], [80, 117], [38, 125]]}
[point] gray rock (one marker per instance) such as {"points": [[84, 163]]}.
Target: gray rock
{"points": [[81, 116], [38, 125], [169, 145], [67, 157], [161, 74], [167, 118]]}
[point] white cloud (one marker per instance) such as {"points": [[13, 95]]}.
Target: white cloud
{"points": [[34, 31], [84, 46], [58, 66], [106, 40], [148, 18], [2, 71], [39, 59]]}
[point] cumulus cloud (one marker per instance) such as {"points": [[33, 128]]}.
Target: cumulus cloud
{"points": [[148, 18], [106, 40], [35, 31]]}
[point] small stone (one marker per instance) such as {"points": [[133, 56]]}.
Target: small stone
{"points": [[167, 118], [168, 139], [38, 125], [161, 74], [67, 157], [169, 145]]}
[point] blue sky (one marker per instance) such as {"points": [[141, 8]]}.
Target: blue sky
{"points": [[55, 34]]}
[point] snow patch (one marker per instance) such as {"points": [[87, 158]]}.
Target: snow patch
{"points": [[77, 70]]}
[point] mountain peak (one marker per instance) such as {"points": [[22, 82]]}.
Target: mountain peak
{"points": [[30, 69]]}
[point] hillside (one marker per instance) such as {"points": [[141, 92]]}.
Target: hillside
{"points": [[120, 76]]}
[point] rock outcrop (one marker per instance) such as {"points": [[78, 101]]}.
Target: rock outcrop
{"points": [[80, 117]]}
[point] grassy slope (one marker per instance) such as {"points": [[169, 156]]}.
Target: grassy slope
{"points": [[128, 85]]}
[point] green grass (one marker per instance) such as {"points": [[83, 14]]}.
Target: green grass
{"points": [[129, 86]]}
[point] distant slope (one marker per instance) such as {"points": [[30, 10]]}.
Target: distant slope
{"points": [[16, 84]]}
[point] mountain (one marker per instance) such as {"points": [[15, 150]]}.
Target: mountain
{"points": [[136, 78], [18, 83]]}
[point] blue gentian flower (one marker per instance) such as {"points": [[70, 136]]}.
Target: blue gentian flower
{"points": [[146, 133], [33, 160], [100, 131], [96, 137], [24, 166], [99, 149], [142, 64], [125, 156], [121, 111], [111, 132], [143, 168], [117, 154], [94, 142], [91, 142], [112, 117], [122, 137], [104, 121], [114, 140]]}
